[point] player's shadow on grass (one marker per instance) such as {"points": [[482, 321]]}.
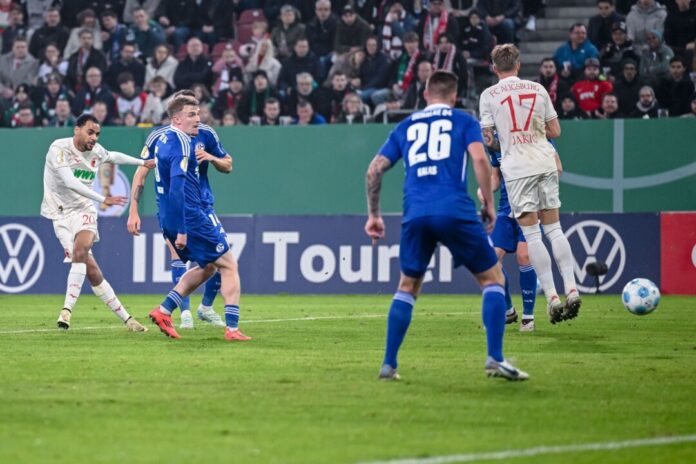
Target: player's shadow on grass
{"points": [[562, 341]]}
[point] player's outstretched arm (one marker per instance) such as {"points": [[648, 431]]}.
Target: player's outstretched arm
{"points": [[482, 169], [136, 194], [121, 158], [374, 227], [70, 181], [490, 140]]}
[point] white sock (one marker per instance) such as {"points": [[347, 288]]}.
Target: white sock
{"points": [[107, 295], [164, 310], [76, 277], [540, 258], [562, 254]]}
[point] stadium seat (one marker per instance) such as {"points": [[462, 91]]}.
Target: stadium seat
{"points": [[244, 23]]}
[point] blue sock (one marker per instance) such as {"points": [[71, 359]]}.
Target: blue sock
{"points": [[528, 282], [397, 324], [179, 269], [172, 301], [508, 297], [232, 316], [494, 319], [212, 287]]}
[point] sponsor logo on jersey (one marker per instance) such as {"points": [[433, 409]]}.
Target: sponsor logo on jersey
{"points": [[83, 174], [220, 247], [144, 153], [21, 258]]}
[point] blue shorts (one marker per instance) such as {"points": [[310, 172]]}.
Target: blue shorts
{"points": [[205, 242], [507, 234], [465, 238], [212, 217]]}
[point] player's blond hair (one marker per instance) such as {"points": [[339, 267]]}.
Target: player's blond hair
{"points": [[505, 57], [177, 104]]}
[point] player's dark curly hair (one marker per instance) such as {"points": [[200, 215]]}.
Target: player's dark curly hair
{"points": [[83, 118]]}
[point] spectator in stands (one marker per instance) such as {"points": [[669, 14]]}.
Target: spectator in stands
{"points": [[352, 110], [619, 49], [436, 22], [692, 107], [569, 110], [590, 90], [126, 63], [63, 115], [24, 117], [288, 31], [627, 85], [647, 105], [306, 115], [263, 58], [70, 9], [352, 31], [448, 58], [196, 67], [373, 70], [94, 90], [500, 16], [129, 97], [654, 62], [397, 22], [17, 67], [88, 22], [530, 10], [129, 119], [332, 97], [20, 98], [16, 27], [100, 111], [229, 118], [549, 78], [221, 69], [645, 15], [302, 60], [161, 63], [84, 58], [570, 57], [271, 112], [146, 33], [673, 92], [51, 31], [609, 108], [414, 99], [321, 33], [207, 116], [476, 39], [52, 62], [113, 35], [178, 18], [132, 6], [402, 71], [220, 15], [46, 97], [158, 91], [259, 32], [680, 27], [228, 99], [253, 99], [601, 26], [202, 94], [304, 89]]}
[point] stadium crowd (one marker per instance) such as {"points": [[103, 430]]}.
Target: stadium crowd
{"points": [[271, 62]]}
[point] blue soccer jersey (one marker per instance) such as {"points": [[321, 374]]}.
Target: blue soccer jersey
{"points": [[208, 140], [433, 145]]}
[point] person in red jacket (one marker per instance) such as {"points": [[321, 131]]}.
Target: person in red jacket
{"points": [[590, 90]]}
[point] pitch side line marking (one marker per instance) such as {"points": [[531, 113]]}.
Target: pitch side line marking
{"points": [[541, 450], [253, 321]]}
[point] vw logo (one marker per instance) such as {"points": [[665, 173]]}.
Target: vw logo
{"points": [[598, 241], [21, 258]]}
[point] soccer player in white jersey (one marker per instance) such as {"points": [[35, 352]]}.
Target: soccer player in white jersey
{"points": [[523, 115], [71, 165]]}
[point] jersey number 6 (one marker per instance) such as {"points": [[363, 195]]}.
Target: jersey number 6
{"points": [[437, 137]]}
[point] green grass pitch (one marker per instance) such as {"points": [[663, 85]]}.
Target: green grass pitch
{"points": [[305, 391]]}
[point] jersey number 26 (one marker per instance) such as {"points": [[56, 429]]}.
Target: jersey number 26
{"points": [[435, 134]]}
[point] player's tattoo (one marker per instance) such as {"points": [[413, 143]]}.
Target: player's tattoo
{"points": [[373, 181], [490, 140], [138, 193]]}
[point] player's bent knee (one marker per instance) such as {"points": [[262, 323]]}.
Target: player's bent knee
{"points": [[410, 285], [492, 276]]}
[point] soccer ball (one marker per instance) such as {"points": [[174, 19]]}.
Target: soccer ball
{"points": [[641, 296]]}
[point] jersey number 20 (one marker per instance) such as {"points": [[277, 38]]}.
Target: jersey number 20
{"points": [[435, 134]]}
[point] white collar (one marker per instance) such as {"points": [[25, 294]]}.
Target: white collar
{"points": [[180, 132], [435, 106]]}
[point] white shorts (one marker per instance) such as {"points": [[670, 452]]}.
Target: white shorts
{"points": [[534, 193], [67, 228]]}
